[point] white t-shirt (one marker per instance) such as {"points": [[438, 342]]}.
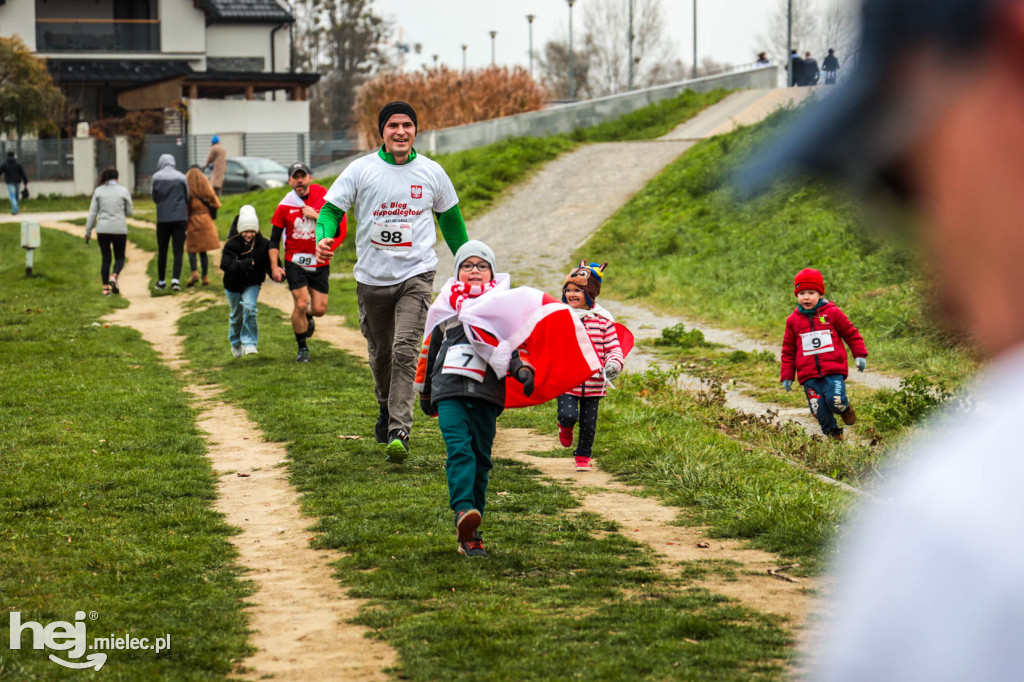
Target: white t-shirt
{"points": [[931, 585], [395, 234]]}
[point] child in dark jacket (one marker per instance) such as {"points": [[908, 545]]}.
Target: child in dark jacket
{"points": [[812, 349], [580, 291], [245, 261], [466, 395]]}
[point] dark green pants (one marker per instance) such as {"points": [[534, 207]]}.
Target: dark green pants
{"points": [[468, 428]]}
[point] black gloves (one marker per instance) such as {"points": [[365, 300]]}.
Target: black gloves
{"points": [[427, 407], [525, 375]]}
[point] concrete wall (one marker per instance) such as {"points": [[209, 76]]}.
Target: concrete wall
{"points": [[565, 118], [19, 18], [182, 27], [219, 116]]}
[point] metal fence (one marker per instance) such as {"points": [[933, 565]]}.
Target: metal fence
{"points": [[153, 147], [43, 159]]}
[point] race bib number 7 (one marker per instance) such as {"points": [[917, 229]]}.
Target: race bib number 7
{"points": [[816, 342], [461, 359], [391, 236]]}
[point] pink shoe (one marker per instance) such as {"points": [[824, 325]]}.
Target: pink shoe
{"points": [[582, 464], [565, 436]]}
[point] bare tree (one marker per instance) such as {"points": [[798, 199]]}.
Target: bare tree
{"points": [[344, 40], [805, 29], [839, 25], [553, 66], [606, 26]]}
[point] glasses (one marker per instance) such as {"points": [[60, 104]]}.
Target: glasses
{"points": [[469, 267]]}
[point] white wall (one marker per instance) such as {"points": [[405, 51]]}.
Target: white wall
{"points": [[182, 27], [19, 18], [219, 116], [248, 40]]}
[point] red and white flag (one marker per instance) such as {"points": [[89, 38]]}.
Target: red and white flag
{"points": [[502, 319]]}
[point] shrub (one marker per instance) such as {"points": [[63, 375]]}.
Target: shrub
{"points": [[912, 401], [446, 97], [677, 335]]}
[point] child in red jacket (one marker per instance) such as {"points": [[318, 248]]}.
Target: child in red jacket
{"points": [[813, 351]]}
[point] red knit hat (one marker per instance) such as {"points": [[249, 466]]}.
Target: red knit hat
{"points": [[809, 278]]}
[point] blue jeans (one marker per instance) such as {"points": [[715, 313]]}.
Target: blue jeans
{"points": [[242, 320], [12, 190], [826, 396]]}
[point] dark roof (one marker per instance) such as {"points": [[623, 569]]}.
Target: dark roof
{"points": [[127, 71], [254, 77], [243, 11]]}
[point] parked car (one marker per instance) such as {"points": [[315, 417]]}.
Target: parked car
{"points": [[249, 173]]}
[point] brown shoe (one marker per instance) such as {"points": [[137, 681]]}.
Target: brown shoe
{"points": [[193, 279], [850, 416], [838, 435], [206, 281]]}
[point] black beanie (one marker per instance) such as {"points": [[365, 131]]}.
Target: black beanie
{"points": [[392, 108]]}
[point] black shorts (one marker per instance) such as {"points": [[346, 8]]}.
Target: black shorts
{"points": [[298, 278]]}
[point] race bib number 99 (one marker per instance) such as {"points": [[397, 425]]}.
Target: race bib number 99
{"points": [[816, 342], [306, 261], [391, 236], [461, 359]]}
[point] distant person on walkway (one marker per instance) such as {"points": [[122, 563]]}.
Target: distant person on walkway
{"points": [[831, 67], [580, 291], [796, 69], [216, 164], [813, 351], [395, 194], [109, 210], [762, 58], [170, 192], [929, 582], [13, 174], [295, 219], [811, 72], [201, 233], [245, 261]]}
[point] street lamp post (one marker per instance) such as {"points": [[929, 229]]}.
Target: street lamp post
{"points": [[572, 74], [529, 21], [789, 44], [493, 34], [694, 38], [464, 56]]}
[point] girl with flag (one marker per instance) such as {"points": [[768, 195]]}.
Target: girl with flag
{"points": [[479, 332]]}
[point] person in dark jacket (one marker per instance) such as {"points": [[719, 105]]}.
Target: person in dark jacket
{"points": [[467, 396], [812, 349], [796, 69], [831, 67], [13, 173], [811, 71], [170, 192], [245, 261]]}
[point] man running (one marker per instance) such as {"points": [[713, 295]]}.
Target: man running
{"points": [[296, 217], [394, 194]]}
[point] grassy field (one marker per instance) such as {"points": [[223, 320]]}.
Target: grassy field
{"points": [[107, 489], [48, 204], [543, 604], [682, 245]]}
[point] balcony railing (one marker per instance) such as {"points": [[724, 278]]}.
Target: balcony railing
{"points": [[98, 35]]}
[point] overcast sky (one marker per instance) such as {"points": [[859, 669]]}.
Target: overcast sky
{"points": [[727, 30]]}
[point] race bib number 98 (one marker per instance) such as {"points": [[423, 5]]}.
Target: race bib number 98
{"points": [[816, 342], [391, 236], [461, 359]]}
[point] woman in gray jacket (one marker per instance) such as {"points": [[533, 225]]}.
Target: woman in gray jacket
{"points": [[111, 206]]}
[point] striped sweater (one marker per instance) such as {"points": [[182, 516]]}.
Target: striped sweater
{"points": [[601, 329]]}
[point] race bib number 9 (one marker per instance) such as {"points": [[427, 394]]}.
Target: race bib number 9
{"points": [[391, 236], [816, 342], [461, 359], [306, 261]]}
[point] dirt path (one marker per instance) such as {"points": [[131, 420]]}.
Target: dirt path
{"points": [[299, 611]]}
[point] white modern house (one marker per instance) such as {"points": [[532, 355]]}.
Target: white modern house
{"points": [[223, 65]]}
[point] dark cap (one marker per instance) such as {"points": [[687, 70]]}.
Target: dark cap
{"points": [[299, 166], [858, 128], [392, 108]]}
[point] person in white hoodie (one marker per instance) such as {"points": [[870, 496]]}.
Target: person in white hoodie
{"points": [[109, 210]]}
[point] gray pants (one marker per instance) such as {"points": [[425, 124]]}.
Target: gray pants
{"points": [[391, 319]]}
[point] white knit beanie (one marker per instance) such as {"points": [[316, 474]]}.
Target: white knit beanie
{"points": [[247, 220]]}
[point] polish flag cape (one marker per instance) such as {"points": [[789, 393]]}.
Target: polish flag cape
{"points": [[502, 319]]}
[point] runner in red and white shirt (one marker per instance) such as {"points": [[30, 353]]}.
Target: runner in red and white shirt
{"points": [[295, 217]]}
